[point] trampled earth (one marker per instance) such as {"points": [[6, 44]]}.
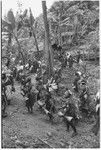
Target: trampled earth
{"points": [[23, 130]]}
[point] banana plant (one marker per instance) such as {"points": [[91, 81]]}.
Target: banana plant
{"points": [[10, 27], [32, 21], [31, 24]]}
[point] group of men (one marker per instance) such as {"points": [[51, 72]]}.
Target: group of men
{"points": [[7, 79], [10, 75], [65, 57], [80, 88], [70, 109], [33, 93]]}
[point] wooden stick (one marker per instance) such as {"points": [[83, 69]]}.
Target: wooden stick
{"points": [[45, 143]]}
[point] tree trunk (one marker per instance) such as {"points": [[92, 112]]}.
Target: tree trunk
{"points": [[36, 43], [60, 38], [44, 50], [55, 35], [8, 49], [47, 39], [19, 48], [83, 55]]}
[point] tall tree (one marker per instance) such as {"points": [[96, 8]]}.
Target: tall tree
{"points": [[30, 23], [47, 41]]}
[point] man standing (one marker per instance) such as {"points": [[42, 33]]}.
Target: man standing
{"points": [[78, 56], [76, 80]]}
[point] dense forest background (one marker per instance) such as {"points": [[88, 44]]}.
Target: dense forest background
{"points": [[73, 24]]}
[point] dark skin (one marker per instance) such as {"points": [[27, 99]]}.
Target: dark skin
{"points": [[4, 98], [49, 105], [30, 63], [31, 98], [77, 78], [83, 100], [70, 112], [47, 101], [29, 106], [8, 63], [70, 60], [70, 123], [8, 81], [35, 66], [96, 127], [97, 124], [38, 95], [67, 95], [54, 46], [14, 72], [78, 57]]}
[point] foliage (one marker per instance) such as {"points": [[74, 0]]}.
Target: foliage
{"points": [[71, 23], [17, 29], [9, 26], [78, 21]]}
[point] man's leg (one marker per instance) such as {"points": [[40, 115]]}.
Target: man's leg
{"points": [[4, 114], [72, 124], [68, 125], [27, 105], [28, 109], [31, 108], [96, 127]]}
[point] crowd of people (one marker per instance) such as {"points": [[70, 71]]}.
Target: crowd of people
{"points": [[43, 92]]}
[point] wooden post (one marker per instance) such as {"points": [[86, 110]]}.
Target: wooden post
{"points": [[47, 41]]}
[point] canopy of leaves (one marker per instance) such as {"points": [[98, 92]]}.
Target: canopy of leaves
{"points": [[78, 21]]}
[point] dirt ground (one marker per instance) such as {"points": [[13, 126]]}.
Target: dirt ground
{"points": [[23, 130]]}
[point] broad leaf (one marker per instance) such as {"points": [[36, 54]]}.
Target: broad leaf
{"points": [[26, 23], [36, 24], [19, 25], [24, 13], [31, 18], [11, 18], [7, 25]]}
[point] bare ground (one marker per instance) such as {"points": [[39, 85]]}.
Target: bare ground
{"points": [[23, 130]]}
